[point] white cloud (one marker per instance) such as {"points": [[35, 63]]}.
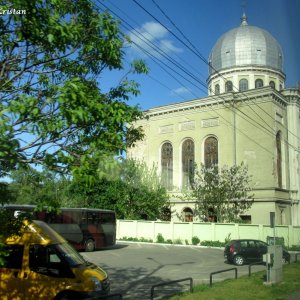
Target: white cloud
{"points": [[155, 30], [180, 91], [148, 34], [167, 45]]}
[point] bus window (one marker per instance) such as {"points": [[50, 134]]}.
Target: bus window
{"points": [[108, 218]]}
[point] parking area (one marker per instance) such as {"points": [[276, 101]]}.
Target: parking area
{"points": [[134, 268]]}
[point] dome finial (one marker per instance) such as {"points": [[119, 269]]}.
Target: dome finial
{"points": [[244, 17], [244, 20]]}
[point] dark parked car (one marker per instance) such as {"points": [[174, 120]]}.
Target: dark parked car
{"points": [[247, 251]]}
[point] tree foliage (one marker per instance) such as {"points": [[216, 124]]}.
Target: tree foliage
{"points": [[129, 187], [53, 111], [44, 189], [223, 192]]}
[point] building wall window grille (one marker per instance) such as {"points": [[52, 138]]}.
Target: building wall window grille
{"points": [[187, 214], [243, 85], [272, 84], [217, 89], [188, 161], [258, 83], [210, 152], [228, 86], [167, 165], [279, 159]]}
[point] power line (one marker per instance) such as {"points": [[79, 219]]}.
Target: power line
{"points": [[189, 74], [198, 54]]}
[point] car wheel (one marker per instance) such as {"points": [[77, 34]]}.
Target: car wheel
{"points": [[89, 245], [238, 260]]}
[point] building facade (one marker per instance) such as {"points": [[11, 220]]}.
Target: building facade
{"points": [[248, 116]]}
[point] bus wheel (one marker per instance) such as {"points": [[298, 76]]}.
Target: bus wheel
{"points": [[89, 245]]}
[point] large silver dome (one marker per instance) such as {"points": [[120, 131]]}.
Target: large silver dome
{"points": [[245, 46]]}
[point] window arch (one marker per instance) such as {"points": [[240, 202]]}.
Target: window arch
{"points": [[187, 214], [243, 85], [167, 165], [217, 89], [188, 160], [228, 86], [210, 151], [259, 83], [272, 84], [279, 159]]}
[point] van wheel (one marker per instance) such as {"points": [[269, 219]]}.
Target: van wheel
{"points": [[89, 245], [238, 260]]}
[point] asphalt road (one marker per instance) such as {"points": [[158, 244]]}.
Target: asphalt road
{"points": [[134, 268]]}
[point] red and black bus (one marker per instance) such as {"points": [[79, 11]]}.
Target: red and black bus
{"points": [[85, 228]]}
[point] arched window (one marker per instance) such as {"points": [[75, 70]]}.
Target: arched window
{"points": [[272, 84], [210, 152], [228, 86], [217, 89], [279, 159], [188, 160], [167, 165], [187, 214], [243, 85], [258, 83]]}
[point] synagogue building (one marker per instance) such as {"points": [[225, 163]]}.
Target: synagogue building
{"points": [[248, 116]]}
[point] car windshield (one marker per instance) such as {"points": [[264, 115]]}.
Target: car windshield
{"points": [[69, 255]]}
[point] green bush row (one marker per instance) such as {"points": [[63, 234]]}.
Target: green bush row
{"points": [[160, 239]]}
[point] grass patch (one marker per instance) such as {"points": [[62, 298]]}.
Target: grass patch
{"points": [[248, 288]]}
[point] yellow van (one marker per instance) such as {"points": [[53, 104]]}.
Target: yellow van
{"points": [[43, 265]]}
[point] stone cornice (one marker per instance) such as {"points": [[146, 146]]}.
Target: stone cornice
{"points": [[292, 96], [190, 105]]}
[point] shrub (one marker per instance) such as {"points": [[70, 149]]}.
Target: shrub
{"points": [[228, 238], [212, 243], [195, 240], [160, 238], [178, 241], [295, 248], [142, 239]]}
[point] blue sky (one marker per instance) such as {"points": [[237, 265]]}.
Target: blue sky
{"points": [[202, 22]]}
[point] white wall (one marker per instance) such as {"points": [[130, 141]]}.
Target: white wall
{"points": [[204, 231]]}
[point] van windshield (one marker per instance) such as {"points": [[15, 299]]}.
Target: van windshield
{"points": [[69, 254]]}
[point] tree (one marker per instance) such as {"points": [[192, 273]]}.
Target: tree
{"points": [[129, 187], [145, 195], [5, 193], [46, 188], [223, 192], [53, 111]]}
